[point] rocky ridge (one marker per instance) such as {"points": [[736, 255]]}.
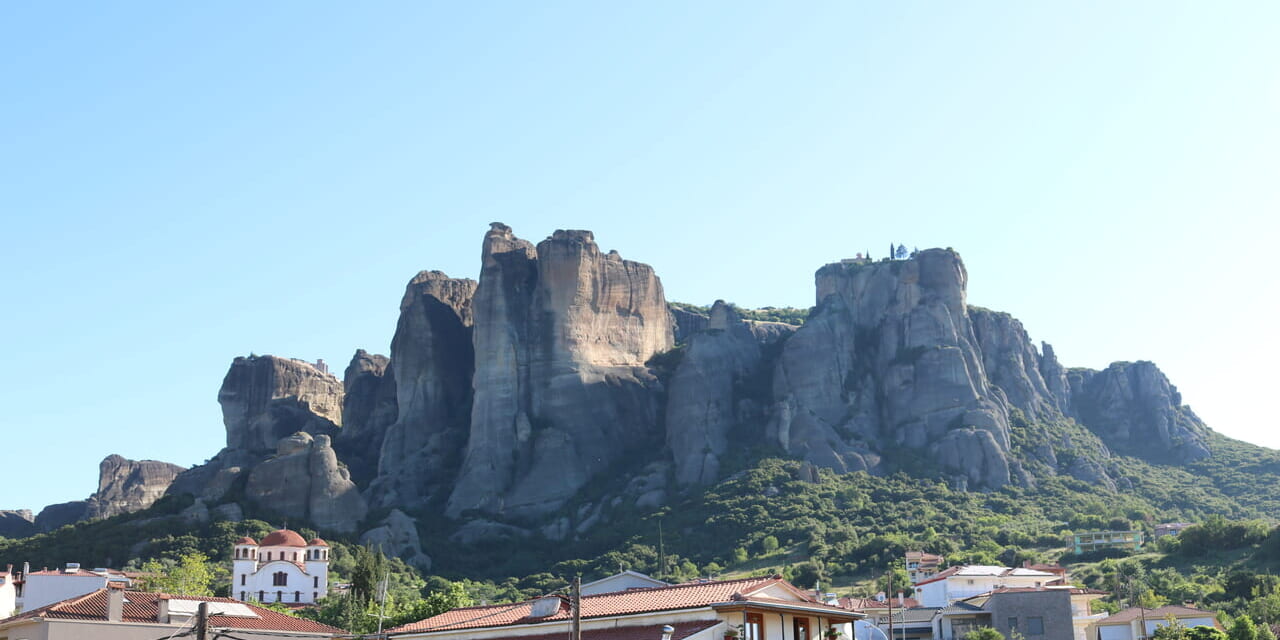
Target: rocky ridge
{"points": [[562, 386]]}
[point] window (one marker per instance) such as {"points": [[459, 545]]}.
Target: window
{"points": [[800, 629], [262, 595], [297, 596], [242, 579], [268, 556], [280, 596], [1035, 626], [315, 596], [754, 629], [242, 598], [279, 579], [315, 582], [1013, 624]]}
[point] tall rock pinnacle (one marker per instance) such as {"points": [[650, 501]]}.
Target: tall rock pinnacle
{"points": [[562, 333]]}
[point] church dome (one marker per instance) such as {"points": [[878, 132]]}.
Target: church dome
{"points": [[283, 538]]}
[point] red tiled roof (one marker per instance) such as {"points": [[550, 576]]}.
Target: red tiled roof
{"points": [[246, 540], [1133, 613], [78, 573], [142, 607], [942, 575], [283, 538], [632, 601], [317, 542]]}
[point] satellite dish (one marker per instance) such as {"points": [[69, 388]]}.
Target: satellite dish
{"points": [[863, 630]]}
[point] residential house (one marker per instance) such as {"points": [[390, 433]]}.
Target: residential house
{"points": [[1136, 623], [956, 583], [621, 582], [47, 586], [8, 593], [921, 566], [768, 608], [1092, 541], [1171, 529], [113, 613], [282, 568], [1038, 613]]}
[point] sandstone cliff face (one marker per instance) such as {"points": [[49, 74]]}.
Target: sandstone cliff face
{"points": [[890, 359], [305, 481], [432, 360], [17, 523], [368, 408], [1015, 367], [1135, 410], [714, 395], [265, 398], [125, 486], [562, 333]]}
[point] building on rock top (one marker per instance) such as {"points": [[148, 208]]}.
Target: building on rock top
{"points": [[282, 568]]}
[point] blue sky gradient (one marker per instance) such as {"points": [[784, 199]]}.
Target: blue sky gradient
{"points": [[182, 183]]}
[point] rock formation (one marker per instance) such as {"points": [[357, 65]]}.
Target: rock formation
{"points": [[397, 535], [1135, 410], [62, 514], [431, 362], [125, 486], [1013, 364], [561, 336], [714, 392], [368, 408], [890, 359], [265, 398], [305, 481], [17, 523]]}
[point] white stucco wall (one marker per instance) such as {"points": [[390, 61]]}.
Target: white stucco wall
{"points": [[42, 590], [8, 597]]}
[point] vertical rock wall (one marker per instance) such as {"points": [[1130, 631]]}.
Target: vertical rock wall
{"points": [[562, 333], [432, 362]]}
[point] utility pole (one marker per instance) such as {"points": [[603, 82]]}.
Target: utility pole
{"points": [[202, 621], [889, 596], [577, 608]]}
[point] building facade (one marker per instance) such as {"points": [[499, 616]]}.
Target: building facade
{"points": [[1136, 623], [755, 608], [282, 568], [47, 586], [116, 614], [957, 583]]}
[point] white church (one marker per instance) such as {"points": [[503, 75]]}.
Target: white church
{"points": [[282, 568]]}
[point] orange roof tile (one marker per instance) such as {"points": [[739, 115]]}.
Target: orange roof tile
{"points": [[632, 601], [141, 606]]}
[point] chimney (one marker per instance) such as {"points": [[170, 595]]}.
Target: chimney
{"points": [[162, 608], [902, 602], [115, 601]]}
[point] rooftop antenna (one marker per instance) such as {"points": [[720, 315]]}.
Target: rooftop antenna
{"points": [[382, 601]]}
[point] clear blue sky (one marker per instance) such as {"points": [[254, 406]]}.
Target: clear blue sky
{"points": [[182, 183]]}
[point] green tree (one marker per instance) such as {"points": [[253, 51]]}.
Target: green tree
{"points": [[769, 544], [1265, 632], [983, 633], [740, 555], [370, 569], [189, 575], [1203, 632], [1172, 629], [1243, 629]]}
